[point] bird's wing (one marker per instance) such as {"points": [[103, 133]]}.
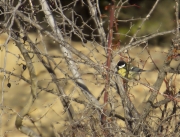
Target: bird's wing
{"points": [[136, 69]]}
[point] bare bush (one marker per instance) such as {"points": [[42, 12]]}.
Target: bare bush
{"points": [[59, 76]]}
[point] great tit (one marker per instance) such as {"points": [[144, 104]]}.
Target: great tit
{"points": [[129, 72]]}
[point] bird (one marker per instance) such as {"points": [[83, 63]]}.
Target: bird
{"points": [[125, 70]]}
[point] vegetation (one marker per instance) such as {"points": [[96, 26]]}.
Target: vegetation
{"points": [[58, 68]]}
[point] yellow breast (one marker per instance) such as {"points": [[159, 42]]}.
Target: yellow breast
{"points": [[123, 72]]}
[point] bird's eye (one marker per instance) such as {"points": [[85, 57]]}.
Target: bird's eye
{"points": [[122, 66]]}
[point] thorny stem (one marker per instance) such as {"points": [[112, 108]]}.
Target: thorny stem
{"points": [[108, 64]]}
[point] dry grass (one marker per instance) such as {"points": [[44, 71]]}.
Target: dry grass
{"points": [[47, 111]]}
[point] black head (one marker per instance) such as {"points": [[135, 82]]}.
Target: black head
{"points": [[121, 64]]}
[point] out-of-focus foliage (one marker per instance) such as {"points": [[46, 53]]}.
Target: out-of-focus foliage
{"points": [[160, 20]]}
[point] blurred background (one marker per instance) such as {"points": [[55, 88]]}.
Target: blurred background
{"points": [[47, 112]]}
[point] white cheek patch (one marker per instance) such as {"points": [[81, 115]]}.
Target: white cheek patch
{"points": [[121, 66]]}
